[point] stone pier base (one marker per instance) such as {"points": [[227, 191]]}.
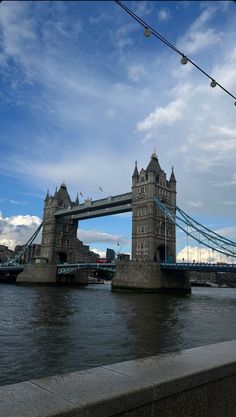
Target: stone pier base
{"points": [[148, 277], [47, 274], [38, 274]]}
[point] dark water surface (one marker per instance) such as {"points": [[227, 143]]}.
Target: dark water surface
{"points": [[51, 330]]}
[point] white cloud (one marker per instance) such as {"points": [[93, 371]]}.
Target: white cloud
{"points": [[98, 18], [196, 254], [163, 15], [101, 253], [229, 202], [95, 236], [14, 202], [199, 36], [163, 115], [16, 230], [196, 204], [136, 73], [143, 8], [122, 36]]}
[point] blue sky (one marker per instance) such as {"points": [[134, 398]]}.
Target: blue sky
{"points": [[84, 94]]}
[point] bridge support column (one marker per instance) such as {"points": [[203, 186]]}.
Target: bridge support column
{"points": [[138, 276], [38, 274], [79, 277]]}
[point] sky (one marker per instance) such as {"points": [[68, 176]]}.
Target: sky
{"points": [[84, 94]]}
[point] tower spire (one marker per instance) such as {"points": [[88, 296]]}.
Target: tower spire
{"points": [[77, 199], [172, 176], [47, 196], [135, 173]]}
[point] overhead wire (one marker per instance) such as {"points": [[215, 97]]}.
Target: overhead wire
{"points": [[184, 59]]}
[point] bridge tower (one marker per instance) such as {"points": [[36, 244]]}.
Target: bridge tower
{"points": [[153, 235], [59, 236]]}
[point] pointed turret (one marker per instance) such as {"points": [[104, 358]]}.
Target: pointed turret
{"points": [[47, 196], [77, 199], [153, 165], [135, 173], [63, 195], [172, 177], [55, 195]]}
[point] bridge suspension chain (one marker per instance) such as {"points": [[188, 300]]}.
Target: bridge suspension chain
{"points": [[14, 260], [198, 232]]}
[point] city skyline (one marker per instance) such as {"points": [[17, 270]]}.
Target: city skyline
{"points": [[84, 94]]}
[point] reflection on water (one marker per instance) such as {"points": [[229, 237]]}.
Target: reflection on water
{"points": [[50, 330]]}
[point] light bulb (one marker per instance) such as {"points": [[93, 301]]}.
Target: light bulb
{"points": [[213, 83], [147, 32], [184, 60]]}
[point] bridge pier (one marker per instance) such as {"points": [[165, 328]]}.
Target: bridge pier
{"points": [[38, 274], [47, 274], [139, 276], [79, 277]]}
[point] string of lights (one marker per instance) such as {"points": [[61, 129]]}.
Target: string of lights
{"points": [[149, 30]]}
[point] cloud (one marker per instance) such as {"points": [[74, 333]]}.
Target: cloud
{"points": [[163, 115], [99, 18], [196, 204], [163, 15], [14, 202], [95, 236], [229, 202], [122, 36], [143, 8], [225, 184], [197, 254], [199, 36], [101, 253], [136, 73], [16, 230]]}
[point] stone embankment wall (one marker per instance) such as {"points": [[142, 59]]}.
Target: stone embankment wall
{"points": [[199, 382]]}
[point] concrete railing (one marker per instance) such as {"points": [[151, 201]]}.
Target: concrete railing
{"points": [[195, 382]]}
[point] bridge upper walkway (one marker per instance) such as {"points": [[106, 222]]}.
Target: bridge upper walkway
{"points": [[120, 203]]}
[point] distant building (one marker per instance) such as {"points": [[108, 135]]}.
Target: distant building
{"points": [[5, 253], [210, 277], [33, 251], [110, 254], [123, 257]]}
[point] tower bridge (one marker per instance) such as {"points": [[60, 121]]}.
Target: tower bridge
{"points": [[152, 201]]}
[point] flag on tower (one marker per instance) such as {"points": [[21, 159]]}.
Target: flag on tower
{"points": [[81, 194], [100, 188]]}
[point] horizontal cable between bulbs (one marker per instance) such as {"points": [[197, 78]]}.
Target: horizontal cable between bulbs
{"points": [[148, 30]]}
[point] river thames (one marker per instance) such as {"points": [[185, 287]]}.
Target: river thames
{"points": [[51, 330]]}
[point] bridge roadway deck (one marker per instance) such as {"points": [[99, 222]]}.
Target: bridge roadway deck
{"points": [[183, 266], [106, 206], [12, 268], [195, 266], [204, 267]]}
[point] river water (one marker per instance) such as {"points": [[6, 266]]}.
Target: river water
{"points": [[50, 330]]}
